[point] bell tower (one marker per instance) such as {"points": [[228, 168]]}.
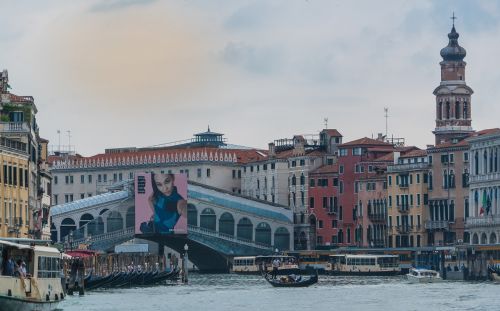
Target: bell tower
{"points": [[453, 96]]}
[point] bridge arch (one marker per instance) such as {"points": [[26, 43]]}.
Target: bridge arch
{"points": [[67, 225], [96, 226], [244, 229], [84, 219], [130, 217], [282, 238], [263, 233], [103, 211], [208, 220], [192, 215], [226, 224], [114, 221]]}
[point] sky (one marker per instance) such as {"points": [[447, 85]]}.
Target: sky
{"points": [[136, 73]]}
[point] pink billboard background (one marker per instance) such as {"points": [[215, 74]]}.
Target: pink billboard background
{"points": [[147, 221]]}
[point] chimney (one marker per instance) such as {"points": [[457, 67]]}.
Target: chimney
{"points": [[272, 151], [397, 154], [380, 137]]}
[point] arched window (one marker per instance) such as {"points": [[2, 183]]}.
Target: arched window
{"points": [[114, 221], [440, 111], [226, 224], [245, 229], [294, 180], [445, 179], [302, 179], [491, 161], [476, 163], [448, 108], [465, 108], [85, 219], [130, 217], [263, 233], [485, 162], [457, 110], [208, 219], [67, 225], [496, 159], [192, 215], [282, 239], [265, 182]]}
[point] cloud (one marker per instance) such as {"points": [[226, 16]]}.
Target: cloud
{"points": [[113, 5], [266, 60]]}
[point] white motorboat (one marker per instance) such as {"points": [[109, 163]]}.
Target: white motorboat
{"points": [[40, 287], [423, 276]]}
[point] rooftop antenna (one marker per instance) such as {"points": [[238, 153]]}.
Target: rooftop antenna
{"points": [[69, 141], [326, 123], [59, 134], [386, 115]]}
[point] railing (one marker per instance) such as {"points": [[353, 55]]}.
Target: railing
{"points": [[437, 225], [404, 229], [228, 237], [485, 221], [105, 236], [403, 208], [14, 127], [377, 242], [484, 177], [406, 167], [403, 185], [377, 217]]}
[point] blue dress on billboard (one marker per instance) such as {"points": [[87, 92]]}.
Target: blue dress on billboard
{"points": [[166, 213]]}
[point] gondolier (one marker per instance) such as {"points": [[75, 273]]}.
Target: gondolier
{"points": [[276, 265]]}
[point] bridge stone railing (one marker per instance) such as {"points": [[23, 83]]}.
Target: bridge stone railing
{"points": [[228, 237], [106, 238]]}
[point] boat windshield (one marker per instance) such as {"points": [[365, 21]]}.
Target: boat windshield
{"points": [[16, 260]]}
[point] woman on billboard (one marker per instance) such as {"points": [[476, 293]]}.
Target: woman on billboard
{"points": [[166, 203]]}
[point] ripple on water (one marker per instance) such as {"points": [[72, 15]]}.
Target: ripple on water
{"points": [[239, 292]]}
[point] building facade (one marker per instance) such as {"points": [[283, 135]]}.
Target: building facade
{"points": [[483, 213], [22, 163], [407, 182], [355, 163], [206, 159]]}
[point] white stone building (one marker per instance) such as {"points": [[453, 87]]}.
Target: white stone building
{"points": [[483, 213]]}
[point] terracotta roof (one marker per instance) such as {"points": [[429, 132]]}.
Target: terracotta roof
{"points": [[365, 141], [415, 153], [332, 132], [406, 149], [242, 155], [385, 158], [20, 99], [464, 142], [325, 169]]}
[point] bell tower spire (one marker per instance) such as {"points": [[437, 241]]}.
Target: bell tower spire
{"points": [[453, 96]]}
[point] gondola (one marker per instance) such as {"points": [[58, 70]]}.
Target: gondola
{"points": [[289, 281]]}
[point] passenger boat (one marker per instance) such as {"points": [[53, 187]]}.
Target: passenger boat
{"points": [[292, 280], [376, 265], [423, 276], [40, 288], [259, 264]]}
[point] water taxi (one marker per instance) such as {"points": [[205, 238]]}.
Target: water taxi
{"points": [[263, 264], [39, 286], [348, 264], [423, 276]]}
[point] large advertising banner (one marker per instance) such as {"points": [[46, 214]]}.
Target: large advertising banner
{"points": [[160, 203]]}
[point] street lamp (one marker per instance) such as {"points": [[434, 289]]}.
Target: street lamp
{"points": [[71, 240], [185, 264]]}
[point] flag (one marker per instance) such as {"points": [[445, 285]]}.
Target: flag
{"points": [[484, 205], [488, 204]]}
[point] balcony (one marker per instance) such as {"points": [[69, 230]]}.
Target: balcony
{"points": [[332, 211], [403, 208], [482, 222], [483, 177], [403, 185], [376, 242], [404, 229], [407, 167], [377, 217], [14, 127], [437, 225]]}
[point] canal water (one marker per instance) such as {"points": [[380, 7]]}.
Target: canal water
{"points": [[229, 292]]}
